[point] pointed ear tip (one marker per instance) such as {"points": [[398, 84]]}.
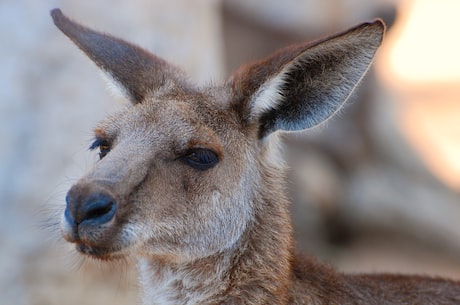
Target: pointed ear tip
{"points": [[378, 26], [375, 30], [57, 15]]}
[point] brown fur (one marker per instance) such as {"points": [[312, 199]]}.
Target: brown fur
{"points": [[191, 181]]}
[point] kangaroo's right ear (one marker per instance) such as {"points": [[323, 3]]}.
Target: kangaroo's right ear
{"points": [[135, 71]]}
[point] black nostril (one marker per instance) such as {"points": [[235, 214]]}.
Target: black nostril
{"points": [[92, 209], [97, 209]]}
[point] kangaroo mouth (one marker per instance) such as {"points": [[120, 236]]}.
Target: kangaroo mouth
{"points": [[100, 253], [93, 248], [99, 242]]}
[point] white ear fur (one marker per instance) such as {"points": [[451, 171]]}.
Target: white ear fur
{"points": [[269, 95]]}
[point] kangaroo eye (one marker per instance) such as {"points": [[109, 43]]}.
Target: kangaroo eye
{"points": [[103, 150], [103, 145], [201, 158]]}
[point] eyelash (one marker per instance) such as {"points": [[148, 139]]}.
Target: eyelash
{"points": [[103, 145]]}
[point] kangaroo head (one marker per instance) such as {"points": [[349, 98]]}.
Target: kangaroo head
{"points": [[186, 171]]}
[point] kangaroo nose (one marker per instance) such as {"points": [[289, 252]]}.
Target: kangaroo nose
{"points": [[93, 209]]}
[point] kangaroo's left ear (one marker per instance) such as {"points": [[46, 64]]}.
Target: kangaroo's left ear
{"points": [[302, 86]]}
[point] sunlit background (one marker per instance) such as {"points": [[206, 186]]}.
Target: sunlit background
{"points": [[421, 64], [377, 189]]}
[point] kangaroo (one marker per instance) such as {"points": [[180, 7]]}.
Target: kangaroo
{"points": [[191, 180]]}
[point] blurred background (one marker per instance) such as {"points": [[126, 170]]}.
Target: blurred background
{"points": [[376, 189]]}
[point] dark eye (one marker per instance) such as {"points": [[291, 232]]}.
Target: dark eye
{"points": [[201, 158], [104, 147]]}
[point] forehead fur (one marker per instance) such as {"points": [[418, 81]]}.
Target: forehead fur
{"points": [[193, 117]]}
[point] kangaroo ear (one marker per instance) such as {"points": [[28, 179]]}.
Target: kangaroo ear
{"points": [[302, 86], [135, 71]]}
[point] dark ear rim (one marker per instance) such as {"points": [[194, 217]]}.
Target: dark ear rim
{"points": [[377, 23], [136, 71]]}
